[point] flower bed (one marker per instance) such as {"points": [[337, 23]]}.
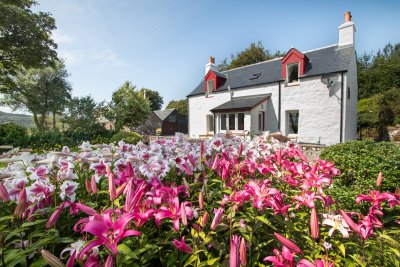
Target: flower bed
{"points": [[175, 203]]}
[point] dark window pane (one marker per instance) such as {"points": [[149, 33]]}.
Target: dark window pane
{"points": [[223, 121], [231, 121], [259, 121], [293, 122], [293, 72], [240, 121]]}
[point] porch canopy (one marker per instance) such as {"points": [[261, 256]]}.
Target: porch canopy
{"points": [[241, 103]]}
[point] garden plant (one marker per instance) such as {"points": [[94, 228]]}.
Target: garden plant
{"points": [[224, 201]]}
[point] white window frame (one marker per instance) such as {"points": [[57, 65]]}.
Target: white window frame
{"points": [[210, 89], [288, 128], [208, 117]]}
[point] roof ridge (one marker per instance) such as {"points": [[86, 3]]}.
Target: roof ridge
{"points": [[320, 48]]}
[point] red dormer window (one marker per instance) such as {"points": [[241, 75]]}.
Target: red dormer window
{"points": [[213, 80], [294, 65]]}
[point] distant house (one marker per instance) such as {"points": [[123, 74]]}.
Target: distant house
{"points": [[169, 121], [309, 96]]}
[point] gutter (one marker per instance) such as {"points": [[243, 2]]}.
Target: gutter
{"points": [[279, 107], [341, 106]]}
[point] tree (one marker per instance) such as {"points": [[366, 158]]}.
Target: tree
{"points": [[128, 107], [82, 114], [25, 39], [253, 54], [180, 105], [154, 98], [41, 92]]}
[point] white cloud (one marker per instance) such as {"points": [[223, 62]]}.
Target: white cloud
{"points": [[62, 38], [108, 57], [71, 57]]}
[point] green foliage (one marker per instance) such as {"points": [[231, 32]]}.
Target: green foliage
{"points": [[25, 39], [253, 54], [368, 110], [12, 134], [82, 114], [128, 137], [180, 105], [359, 163], [128, 107], [40, 91], [156, 101]]}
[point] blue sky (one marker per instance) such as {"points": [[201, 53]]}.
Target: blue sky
{"points": [[163, 45]]}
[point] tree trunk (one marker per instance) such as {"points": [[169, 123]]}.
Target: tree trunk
{"points": [[42, 121], [54, 120], [36, 120]]}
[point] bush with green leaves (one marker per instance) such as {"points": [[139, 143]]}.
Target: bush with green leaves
{"points": [[12, 134], [128, 137], [360, 163]]}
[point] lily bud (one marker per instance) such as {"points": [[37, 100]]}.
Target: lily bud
{"points": [[234, 260], [110, 261], [287, 243], [240, 150], [196, 227], [111, 184], [85, 209], [4, 193], [183, 214], [201, 149], [217, 218], [53, 218], [205, 219], [201, 201], [243, 252], [93, 185], [22, 199], [349, 221], [379, 180], [87, 185], [50, 259], [314, 224]]}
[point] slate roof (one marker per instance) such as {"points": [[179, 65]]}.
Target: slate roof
{"points": [[163, 114], [322, 61], [242, 103]]}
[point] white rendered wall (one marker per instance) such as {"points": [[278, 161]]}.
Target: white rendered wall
{"points": [[254, 117], [350, 131], [319, 110], [199, 108]]}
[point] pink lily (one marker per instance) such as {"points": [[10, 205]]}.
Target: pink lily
{"points": [[318, 263], [182, 246], [243, 252], [281, 259], [108, 233], [374, 197], [4, 193], [379, 180]]}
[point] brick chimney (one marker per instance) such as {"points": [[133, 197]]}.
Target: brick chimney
{"points": [[347, 31], [210, 65]]}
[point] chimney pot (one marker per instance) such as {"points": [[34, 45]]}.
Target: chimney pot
{"points": [[347, 16], [211, 60]]}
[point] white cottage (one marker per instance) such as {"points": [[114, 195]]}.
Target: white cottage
{"points": [[310, 96]]}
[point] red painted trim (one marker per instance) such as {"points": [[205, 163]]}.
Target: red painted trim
{"points": [[218, 80]]}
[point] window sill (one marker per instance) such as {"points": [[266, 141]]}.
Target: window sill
{"points": [[292, 84]]}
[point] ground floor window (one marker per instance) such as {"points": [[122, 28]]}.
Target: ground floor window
{"points": [[240, 121], [232, 121], [210, 123], [223, 122], [293, 122]]}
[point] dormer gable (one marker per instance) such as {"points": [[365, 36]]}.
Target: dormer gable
{"points": [[213, 80], [294, 65]]}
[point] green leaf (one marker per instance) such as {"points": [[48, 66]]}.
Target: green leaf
{"points": [[342, 249], [29, 224], [191, 259], [211, 262], [64, 240], [124, 249], [265, 221]]}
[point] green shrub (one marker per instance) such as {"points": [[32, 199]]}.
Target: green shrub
{"points": [[128, 137], [360, 163], [12, 134]]}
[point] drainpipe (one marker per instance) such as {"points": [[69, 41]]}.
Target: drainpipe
{"points": [[279, 107], [341, 106]]}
